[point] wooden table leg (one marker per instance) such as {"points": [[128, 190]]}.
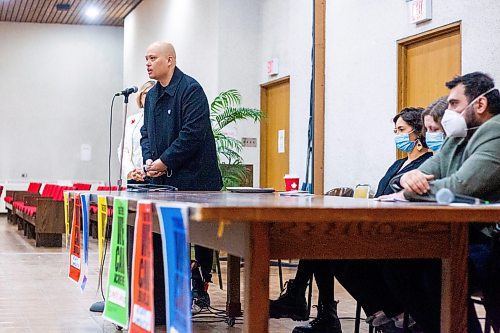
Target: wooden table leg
{"points": [[256, 313], [454, 285], [233, 304]]}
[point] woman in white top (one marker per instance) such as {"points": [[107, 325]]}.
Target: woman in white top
{"points": [[132, 152]]}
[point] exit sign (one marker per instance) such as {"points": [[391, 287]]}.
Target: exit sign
{"points": [[420, 10]]}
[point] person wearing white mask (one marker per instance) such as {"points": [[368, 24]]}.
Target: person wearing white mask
{"points": [[132, 152], [369, 289], [434, 132], [468, 164]]}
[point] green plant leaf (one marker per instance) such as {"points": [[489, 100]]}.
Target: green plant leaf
{"points": [[226, 109]]}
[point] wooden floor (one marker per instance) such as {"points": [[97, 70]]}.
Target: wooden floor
{"points": [[37, 296]]}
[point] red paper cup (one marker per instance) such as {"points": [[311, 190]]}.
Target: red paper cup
{"points": [[291, 183]]}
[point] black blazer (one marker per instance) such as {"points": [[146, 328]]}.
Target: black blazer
{"points": [[177, 130], [394, 170]]}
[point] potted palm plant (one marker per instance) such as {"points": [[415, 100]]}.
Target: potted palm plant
{"points": [[224, 110]]}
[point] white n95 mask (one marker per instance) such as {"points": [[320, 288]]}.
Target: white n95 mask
{"points": [[454, 124]]}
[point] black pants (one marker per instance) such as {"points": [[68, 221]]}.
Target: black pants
{"points": [[364, 280], [321, 269], [417, 284]]}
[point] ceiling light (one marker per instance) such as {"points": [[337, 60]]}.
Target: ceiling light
{"points": [[92, 12], [64, 7]]}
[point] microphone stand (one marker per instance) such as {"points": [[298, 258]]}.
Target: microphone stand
{"points": [[120, 180]]}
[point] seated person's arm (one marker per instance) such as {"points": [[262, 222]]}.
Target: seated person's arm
{"points": [[417, 181], [478, 175]]}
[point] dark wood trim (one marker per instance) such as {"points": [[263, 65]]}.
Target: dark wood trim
{"points": [[423, 36], [275, 82]]}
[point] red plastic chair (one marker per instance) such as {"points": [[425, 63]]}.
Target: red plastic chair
{"points": [[82, 186], [34, 187]]}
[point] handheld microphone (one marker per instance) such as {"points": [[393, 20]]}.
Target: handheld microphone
{"points": [[446, 196], [127, 91]]}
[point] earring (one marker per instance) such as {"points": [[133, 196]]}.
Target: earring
{"points": [[420, 146]]}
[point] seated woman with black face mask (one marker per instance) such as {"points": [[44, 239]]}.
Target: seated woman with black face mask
{"points": [[292, 303]]}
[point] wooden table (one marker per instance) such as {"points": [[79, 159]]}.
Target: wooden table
{"points": [[260, 227]]}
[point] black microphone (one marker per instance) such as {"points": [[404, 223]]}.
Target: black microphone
{"points": [[127, 91]]}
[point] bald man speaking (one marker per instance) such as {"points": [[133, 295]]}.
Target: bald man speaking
{"points": [[178, 145]]}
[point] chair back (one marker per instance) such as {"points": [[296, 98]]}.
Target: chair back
{"points": [[48, 190], [362, 191], [341, 192], [82, 186], [34, 187]]}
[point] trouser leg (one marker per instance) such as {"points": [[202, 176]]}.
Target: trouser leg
{"points": [[417, 285], [204, 256], [364, 280], [159, 281]]}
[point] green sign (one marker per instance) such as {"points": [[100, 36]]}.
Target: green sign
{"points": [[116, 305]]}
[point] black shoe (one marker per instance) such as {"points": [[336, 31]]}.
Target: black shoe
{"points": [[97, 307], [326, 322], [389, 327], [291, 303], [199, 293]]}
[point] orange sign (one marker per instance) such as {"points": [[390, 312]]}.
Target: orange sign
{"points": [[142, 312], [75, 264]]}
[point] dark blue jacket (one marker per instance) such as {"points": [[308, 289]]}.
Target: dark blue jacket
{"points": [[395, 170], [177, 130]]}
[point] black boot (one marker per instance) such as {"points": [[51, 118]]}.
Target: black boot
{"points": [[326, 322], [199, 290], [291, 303]]}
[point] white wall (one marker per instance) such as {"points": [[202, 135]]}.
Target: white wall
{"points": [[190, 25], [361, 76], [287, 35], [224, 44], [56, 86]]}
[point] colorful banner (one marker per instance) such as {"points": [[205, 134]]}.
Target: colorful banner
{"points": [[66, 218], [116, 304], [173, 225], [102, 221], [85, 218], [142, 319], [74, 252]]}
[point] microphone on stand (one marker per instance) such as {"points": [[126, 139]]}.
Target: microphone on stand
{"points": [[127, 91]]}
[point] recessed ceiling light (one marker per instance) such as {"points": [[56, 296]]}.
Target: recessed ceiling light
{"points": [[64, 7], [92, 12]]}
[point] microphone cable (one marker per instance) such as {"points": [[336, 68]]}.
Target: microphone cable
{"points": [[100, 285], [109, 148], [101, 264]]}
